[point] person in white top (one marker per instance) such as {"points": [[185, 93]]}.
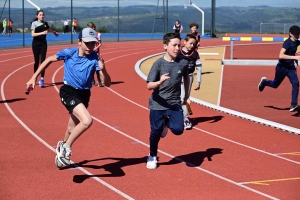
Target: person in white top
{"points": [[66, 26], [178, 28]]}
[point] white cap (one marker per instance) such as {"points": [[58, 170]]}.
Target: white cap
{"points": [[88, 35]]}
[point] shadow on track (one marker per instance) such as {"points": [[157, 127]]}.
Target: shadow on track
{"points": [[114, 169], [12, 100], [194, 159]]}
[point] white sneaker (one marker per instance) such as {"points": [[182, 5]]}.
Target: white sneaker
{"points": [[63, 154], [187, 124], [152, 162]]}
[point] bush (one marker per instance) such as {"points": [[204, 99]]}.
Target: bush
{"points": [[103, 29]]}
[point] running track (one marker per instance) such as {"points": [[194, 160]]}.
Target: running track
{"points": [[223, 157]]}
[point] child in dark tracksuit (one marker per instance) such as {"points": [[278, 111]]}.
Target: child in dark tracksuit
{"points": [[286, 67]]}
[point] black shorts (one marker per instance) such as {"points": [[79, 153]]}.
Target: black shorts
{"points": [[71, 97]]}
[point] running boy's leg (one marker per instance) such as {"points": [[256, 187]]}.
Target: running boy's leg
{"points": [[175, 121], [187, 123], [157, 118], [280, 74], [79, 122], [73, 121], [185, 111], [293, 77], [76, 102], [85, 121], [156, 128]]}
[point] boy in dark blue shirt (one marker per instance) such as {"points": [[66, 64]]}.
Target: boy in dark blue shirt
{"points": [[286, 67]]}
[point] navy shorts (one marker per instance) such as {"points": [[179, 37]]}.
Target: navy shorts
{"points": [[71, 97]]}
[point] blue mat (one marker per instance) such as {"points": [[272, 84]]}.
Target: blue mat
{"points": [[17, 38]]}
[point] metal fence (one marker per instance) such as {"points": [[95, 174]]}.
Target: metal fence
{"points": [[114, 19], [275, 27]]}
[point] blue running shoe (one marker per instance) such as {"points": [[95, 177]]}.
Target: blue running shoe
{"points": [[41, 83]]}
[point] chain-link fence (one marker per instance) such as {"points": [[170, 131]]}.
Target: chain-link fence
{"points": [[112, 20], [276, 27], [117, 19]]}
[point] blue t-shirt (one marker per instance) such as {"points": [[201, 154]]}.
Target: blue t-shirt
{"points": [[78, 70], [291, 48]]}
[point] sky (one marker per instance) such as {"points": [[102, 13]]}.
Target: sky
{"points": [[99, 3]]}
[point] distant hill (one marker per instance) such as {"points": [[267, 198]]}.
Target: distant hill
{"points": [[141, 18]]}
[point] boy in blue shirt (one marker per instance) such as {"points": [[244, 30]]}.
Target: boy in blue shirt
{"points": [[286, 67], [80, 64], [165, 79]]}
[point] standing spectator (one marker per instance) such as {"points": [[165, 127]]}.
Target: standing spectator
{"points": [[4, 26], [66, 26], [74, 25], [10, 25], [39, 30], [178, 28]]}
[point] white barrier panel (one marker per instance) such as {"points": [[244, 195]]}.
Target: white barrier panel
{"points": [[208, 54], [251, 62], [226, 110]]}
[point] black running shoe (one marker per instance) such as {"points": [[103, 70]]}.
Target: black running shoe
{"points": [[294, 108], [261, 85]]}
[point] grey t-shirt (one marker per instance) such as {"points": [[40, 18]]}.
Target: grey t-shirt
{"points": [[35, 24], [167, 95]]}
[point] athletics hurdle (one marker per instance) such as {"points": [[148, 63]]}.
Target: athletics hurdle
{"points": [[251, 39]]}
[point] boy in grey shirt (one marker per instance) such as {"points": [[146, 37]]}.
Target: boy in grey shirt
{"points": [[165, 103]]}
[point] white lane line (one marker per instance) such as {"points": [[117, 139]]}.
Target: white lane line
{"points": [[215, 135], [247, 146], [208, 54], [225, 110], [166, 154], [49, 146], [16, 58], [143, 76]]}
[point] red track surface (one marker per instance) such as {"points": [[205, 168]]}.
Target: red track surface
{"points": [[224, 152]]}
